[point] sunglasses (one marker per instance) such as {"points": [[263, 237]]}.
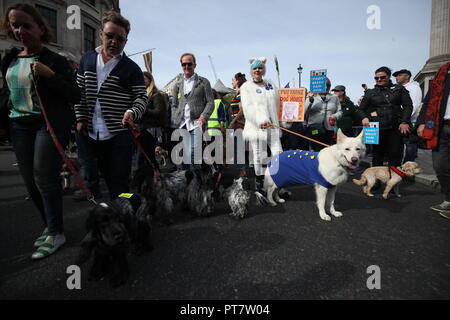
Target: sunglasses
{"points": [[111, 36], [189, 64], [380, 78]]}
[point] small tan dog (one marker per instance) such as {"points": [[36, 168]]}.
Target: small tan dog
{"points": [[387, 176], [162, 154]]}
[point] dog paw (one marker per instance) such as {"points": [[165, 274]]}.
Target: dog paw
{"points": [[236, 216], [370, 195], [399, 196], [325, 217], [281, 201], [337, 214], [385, 196]]}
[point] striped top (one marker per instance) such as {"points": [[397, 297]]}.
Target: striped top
{"points": [[22, 94], [122, 90], [234, 105]]}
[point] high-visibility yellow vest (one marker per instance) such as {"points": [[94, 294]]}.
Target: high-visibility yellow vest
{"points": [[213, 122]]}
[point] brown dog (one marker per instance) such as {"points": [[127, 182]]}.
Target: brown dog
{"points": [[387, 176], [162, 154]]}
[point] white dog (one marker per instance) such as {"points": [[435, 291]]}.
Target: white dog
{"points": [[325, 170]]}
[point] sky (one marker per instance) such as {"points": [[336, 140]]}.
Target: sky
{"points": [[318, 34]]}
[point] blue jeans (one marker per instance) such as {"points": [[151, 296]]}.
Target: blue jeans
{"points": [[410, 150], [114, 158], [89, 163], [441, 161], [40, 165], [194, 148]]}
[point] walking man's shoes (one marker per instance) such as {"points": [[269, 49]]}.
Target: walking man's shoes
{"points": [[445, 214], [443, 209]]}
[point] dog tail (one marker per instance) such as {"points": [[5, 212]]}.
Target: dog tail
{"points": [[360, 182]]}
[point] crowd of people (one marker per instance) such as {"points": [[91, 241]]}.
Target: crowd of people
{"points": [[106, 97]]}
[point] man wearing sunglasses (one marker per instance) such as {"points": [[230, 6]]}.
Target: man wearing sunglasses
{"points": [[192, 106], [113, 97], [391, 106]]}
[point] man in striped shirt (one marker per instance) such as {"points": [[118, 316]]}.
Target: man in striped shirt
{"points": [[112, 97]]}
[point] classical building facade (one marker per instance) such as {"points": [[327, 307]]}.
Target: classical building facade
{"points": [[439, 43], [66, 38]]}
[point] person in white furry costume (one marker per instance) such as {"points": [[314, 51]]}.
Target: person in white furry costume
{"points": [[260, 99]]}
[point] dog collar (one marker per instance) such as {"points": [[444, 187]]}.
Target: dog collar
{"points": [[398, 171]]}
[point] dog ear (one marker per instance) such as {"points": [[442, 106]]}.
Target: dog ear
{"points": [[251, 60], [340, 136], [262, 59], [409, 172], [408, 168], [361, 136]]}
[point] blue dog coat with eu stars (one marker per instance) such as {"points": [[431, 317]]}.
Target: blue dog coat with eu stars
{"points": [[296, 167]]}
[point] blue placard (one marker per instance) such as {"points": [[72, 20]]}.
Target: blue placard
{"points": [[318, 81], [372, 134]]}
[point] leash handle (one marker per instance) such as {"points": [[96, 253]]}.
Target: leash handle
{"points": [[58, 145], [298, 134], [134, 134]]}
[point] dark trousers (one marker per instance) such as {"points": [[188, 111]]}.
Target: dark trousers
{"points": [[325, 137], [114, 161], [390, 146], [148, 143], [441, 161], [40, 165], [291, 141], [89, 164]]}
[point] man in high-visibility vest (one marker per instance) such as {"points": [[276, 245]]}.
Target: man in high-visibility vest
{"points": [[216, 122]]}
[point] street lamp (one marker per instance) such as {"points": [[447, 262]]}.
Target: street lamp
{"points": [[299, 69]]}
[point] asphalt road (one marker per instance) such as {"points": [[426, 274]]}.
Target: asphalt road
{"points": [[286, 252]]}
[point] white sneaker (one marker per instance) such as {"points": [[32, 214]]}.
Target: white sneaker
{"points": [[39, 241], [443, 207], [51, 244]]}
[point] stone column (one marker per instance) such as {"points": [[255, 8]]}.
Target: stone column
{"points": [[440, 28], [439, 42]]}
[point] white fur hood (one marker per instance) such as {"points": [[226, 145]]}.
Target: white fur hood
{"points": [[260, 106]]}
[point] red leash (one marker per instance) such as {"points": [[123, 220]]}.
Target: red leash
{"points": [[58, 145], [397, 171], [134, 134]]}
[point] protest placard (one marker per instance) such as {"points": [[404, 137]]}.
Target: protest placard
{"points": [[318, 81], [291, 106], [372, 133]]}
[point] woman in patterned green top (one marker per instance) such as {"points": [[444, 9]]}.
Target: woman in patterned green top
{"points": [[38, 158]]}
